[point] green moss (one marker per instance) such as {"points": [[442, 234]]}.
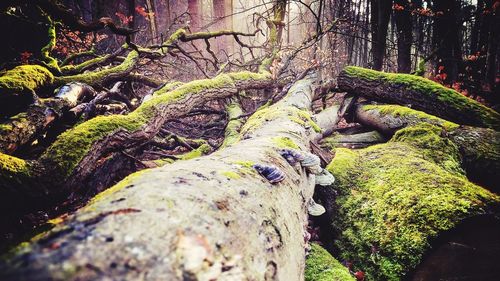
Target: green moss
{"points": [[12, 167], [432, 146], [195, 153], [168, 87], [331, 142], [412, 116], [285, 142], [321, 266], [230, 175], [420, 68], [16, 120], [14, 173], [307, 117], [175, 36], [248, 76], [163, 161], [96, 77], [47, 49], [246, 164], [232, 131], [150, 107], [71, 146], [267, 113], [127, 181], [84, 65], [25, 79], [432, 89], [397, 198], [259, 117], [245, 167]]}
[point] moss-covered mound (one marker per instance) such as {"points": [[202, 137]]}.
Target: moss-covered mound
{"points": [[321, 266], [395, 198], [25, 79], [421, 92]]}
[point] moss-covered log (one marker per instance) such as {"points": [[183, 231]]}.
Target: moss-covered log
{"points": [[213, 217], [22, 128], [479, 147], [19, 85], [420, 93], [398, 200], [89, 157], [234, 124], [359, 140], [102, 76]]}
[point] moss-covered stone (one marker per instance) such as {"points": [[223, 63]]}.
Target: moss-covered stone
{"points": [[395, 198], [321, 266], [25, 79], [427, 88]]}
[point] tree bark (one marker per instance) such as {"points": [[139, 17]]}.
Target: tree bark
{"points": [[404, 38], [381, 12], [419, 93], [446, 38], [93, 155], [24, 127], [209, 218]]}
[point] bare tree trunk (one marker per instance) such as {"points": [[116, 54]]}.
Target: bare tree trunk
{"points": [[381, 11], [446, 38], [194, 12], [404, 35]]}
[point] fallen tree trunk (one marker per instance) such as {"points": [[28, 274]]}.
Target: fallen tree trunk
{"points": [[212, 217], [479, 147], [395, 202], [93, 155], [419, 93], [21, 128]]}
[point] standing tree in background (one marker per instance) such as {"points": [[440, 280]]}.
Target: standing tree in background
{"points": [[402, 16], [446, 39], [381, 12]]}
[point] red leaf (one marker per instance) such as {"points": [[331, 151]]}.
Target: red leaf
{"points": [[25, 56], [142, 11], [123, 18]]}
